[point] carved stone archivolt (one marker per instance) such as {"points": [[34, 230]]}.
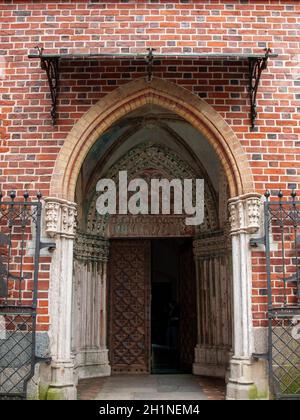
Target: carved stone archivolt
{"points": [[150, 161], [60, 217]]}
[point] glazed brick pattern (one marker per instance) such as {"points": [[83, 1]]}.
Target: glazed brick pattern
{"points": [[29, 144]]}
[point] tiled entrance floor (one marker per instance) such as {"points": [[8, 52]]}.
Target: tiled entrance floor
{"points": [[151, 387]]}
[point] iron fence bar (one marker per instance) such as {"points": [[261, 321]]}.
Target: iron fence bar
{"points": [[283, 251], [269, 286], [12, 395], [268, 257], [16, 310], [10, 224], [284, 311], [37, 253], [287, 397], [35, 288], [23, 219], [295, 245]]}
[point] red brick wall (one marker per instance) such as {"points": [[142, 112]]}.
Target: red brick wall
{"points": [[29, 144]]}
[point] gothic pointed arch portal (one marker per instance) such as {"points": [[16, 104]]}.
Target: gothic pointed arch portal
{"points": [[151, 142], [89, 248]]}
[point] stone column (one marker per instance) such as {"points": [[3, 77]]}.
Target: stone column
{"points": [[60, 218], [246, 376]]}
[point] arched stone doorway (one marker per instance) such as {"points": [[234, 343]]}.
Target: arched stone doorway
{"points": [[154, 149], [210, 246]]}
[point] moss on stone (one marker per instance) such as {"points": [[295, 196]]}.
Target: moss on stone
{"points": [[253, 393], [55, 394], [263, 395], [43, 390], [32, 398]]}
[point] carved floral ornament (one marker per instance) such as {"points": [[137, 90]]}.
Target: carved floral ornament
{"points": [[245, 213], [60, 217], [90, 248]]}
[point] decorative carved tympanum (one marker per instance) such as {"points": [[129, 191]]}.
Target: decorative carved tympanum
{"points": [[151, 161]]}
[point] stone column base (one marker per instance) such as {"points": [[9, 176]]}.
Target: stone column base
{"points": [[213, 371], [248, 380], [92, 364], [63, 384], [211, 361]]}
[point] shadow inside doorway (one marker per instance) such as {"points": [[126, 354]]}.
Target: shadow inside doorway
{"points": [[172, 345]]}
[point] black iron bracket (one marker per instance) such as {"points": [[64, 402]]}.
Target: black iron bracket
{"points": [[51, 67], [256, 67], [255, 242], [260, 356], [50, 245], [46, 360]]}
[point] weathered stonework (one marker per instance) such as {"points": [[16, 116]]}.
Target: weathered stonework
{"points": [[90, 248], [60, 218], [89, 329], [214, 292], [247, 379], [245, 213], [60, 224]]}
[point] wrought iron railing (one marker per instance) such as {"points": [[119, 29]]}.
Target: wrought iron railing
{"points": [[282, 241], [20, 232]]}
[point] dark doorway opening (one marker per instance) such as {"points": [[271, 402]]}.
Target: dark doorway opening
{"points": [[152, 306], [173, 306]]}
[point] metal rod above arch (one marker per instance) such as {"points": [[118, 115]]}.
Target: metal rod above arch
{"points": [[257, 64]]}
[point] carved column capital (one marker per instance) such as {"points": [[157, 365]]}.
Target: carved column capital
{"points": [[60, 217], [245, 213]]}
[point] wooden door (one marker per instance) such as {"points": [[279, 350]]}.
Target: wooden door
{"points": [[129, 306], [188, 307]]}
